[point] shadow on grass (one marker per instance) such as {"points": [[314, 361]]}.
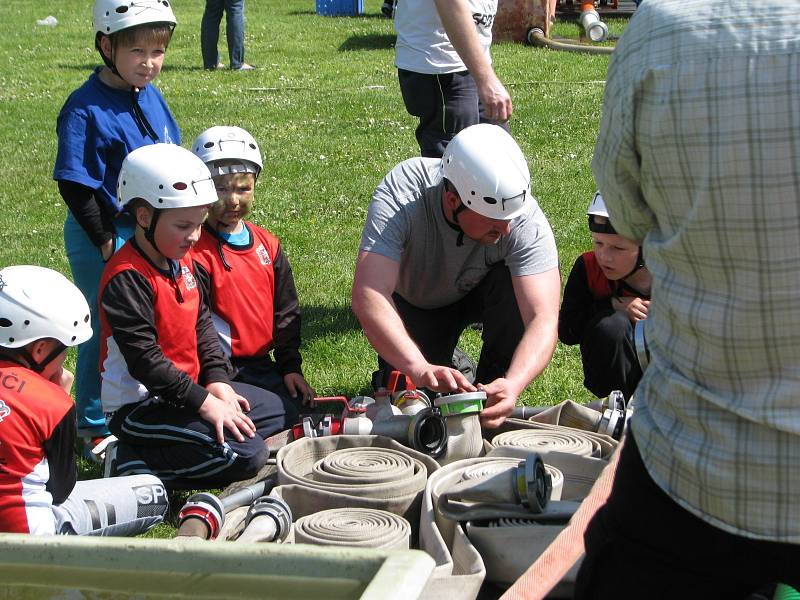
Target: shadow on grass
{"points": [[370, 41], [319, 321], [376, 15]]}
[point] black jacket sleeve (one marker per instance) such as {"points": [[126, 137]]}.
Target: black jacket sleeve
{"points": [[286, 321], [578, 305], [128, 303], [60, 452], [87, 211]]}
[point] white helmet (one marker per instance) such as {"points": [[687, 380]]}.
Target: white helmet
{"points": [[597, 208], [489, 172], [38, 303], [165, 176], [110, 16], [228, 143]]}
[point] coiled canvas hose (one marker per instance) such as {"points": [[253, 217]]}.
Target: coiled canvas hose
{"points": [[460, 568], [365, 471], [357, 527], [464, 434], [570, 414], [544, 438]]}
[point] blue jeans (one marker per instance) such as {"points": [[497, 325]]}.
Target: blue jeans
{"points": [[234, 29], [87, 268]]}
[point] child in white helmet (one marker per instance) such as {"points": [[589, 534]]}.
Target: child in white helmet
{"points": [[115, 111], [166, 382], [41, 315], [243, 267], [607, 292]]}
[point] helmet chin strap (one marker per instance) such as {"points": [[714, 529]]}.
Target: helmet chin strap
{"points": [[31, 363], [454, 225], [639, 264]]}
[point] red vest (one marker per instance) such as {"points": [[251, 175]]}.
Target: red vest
{"points": [[175, 322], [242, 298], [30, 409]]}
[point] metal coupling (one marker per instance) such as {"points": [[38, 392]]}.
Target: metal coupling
{"points": [[534, 483], [205, 507]]}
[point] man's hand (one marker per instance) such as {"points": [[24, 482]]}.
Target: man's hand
{"points": [[225, 392], [495, 98], [440, 379], [225, 414], [501, 398], [635, 308], [298, 386]]}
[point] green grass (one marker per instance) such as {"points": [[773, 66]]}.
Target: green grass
{"points": [[326, 108]]}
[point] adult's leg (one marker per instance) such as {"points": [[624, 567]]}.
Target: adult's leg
{"points": [[120, 506], [177, 445], [641, 544], [435, 332], [609, 355], [445, 104], [493, 302], [209, 32], [234, 31]]}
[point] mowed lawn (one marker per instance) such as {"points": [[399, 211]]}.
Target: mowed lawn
{"points": [[325, 105]]}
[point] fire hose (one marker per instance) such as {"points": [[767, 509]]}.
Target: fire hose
{"points": [[611, 419], [357, 527], [204, 513], [536, 37], [424, 431], [465, 438]]}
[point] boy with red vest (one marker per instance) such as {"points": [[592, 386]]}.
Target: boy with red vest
{"points": [[248, 278], [166, 389], [41, 314], [607, 292]]}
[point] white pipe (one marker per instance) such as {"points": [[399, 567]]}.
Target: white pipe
{"points": [[596, 30]]}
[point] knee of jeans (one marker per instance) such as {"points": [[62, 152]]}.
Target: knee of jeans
{"points": [[609, 331], [254, 457]]}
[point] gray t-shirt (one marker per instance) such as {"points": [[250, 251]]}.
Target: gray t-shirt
{"points": [[406, 223]]}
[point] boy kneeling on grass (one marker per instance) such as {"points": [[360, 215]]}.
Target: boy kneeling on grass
{"points": [[607, 292], [166, 389], [246, 275], [41, 315]]}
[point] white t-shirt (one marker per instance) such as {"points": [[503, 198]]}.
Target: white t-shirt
{"points": [[422, 44]]}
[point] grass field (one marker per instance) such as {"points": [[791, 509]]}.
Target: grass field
{"points": [[325, 105]]}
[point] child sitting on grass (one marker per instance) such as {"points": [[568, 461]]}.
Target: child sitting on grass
{"points": [[166, 389], [41, 315], [115, 111], [607, 292], [247, 275]]}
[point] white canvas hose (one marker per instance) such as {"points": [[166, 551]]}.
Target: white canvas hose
{"points": [[464, 434], [459, 568], [544, 438], [342, 471], [356, 527]]}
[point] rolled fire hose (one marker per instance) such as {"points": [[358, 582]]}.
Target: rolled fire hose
{"points": [[464, 435], [357, 527], [545, 437], [204, 513], [460, 569], [269, 519], [344, 471], [536, 37]]}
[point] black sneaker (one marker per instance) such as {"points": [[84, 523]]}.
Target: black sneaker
{"points": [[387, 8], [464, 363]]}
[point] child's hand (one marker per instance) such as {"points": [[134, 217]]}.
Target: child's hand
{"points": [[226, 392], [224, 414], [64, 379], [298, 386], [635, 308]]}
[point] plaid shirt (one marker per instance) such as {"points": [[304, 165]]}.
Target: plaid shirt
{"points": [[698, 156]]}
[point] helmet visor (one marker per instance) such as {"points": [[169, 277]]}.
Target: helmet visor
{"points": [[600, 224]]}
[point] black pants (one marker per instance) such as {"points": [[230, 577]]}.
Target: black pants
{"points": [[609, 355], [180, 448], [444, 104], [264, 373], [641, 544], [436, 331]]}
